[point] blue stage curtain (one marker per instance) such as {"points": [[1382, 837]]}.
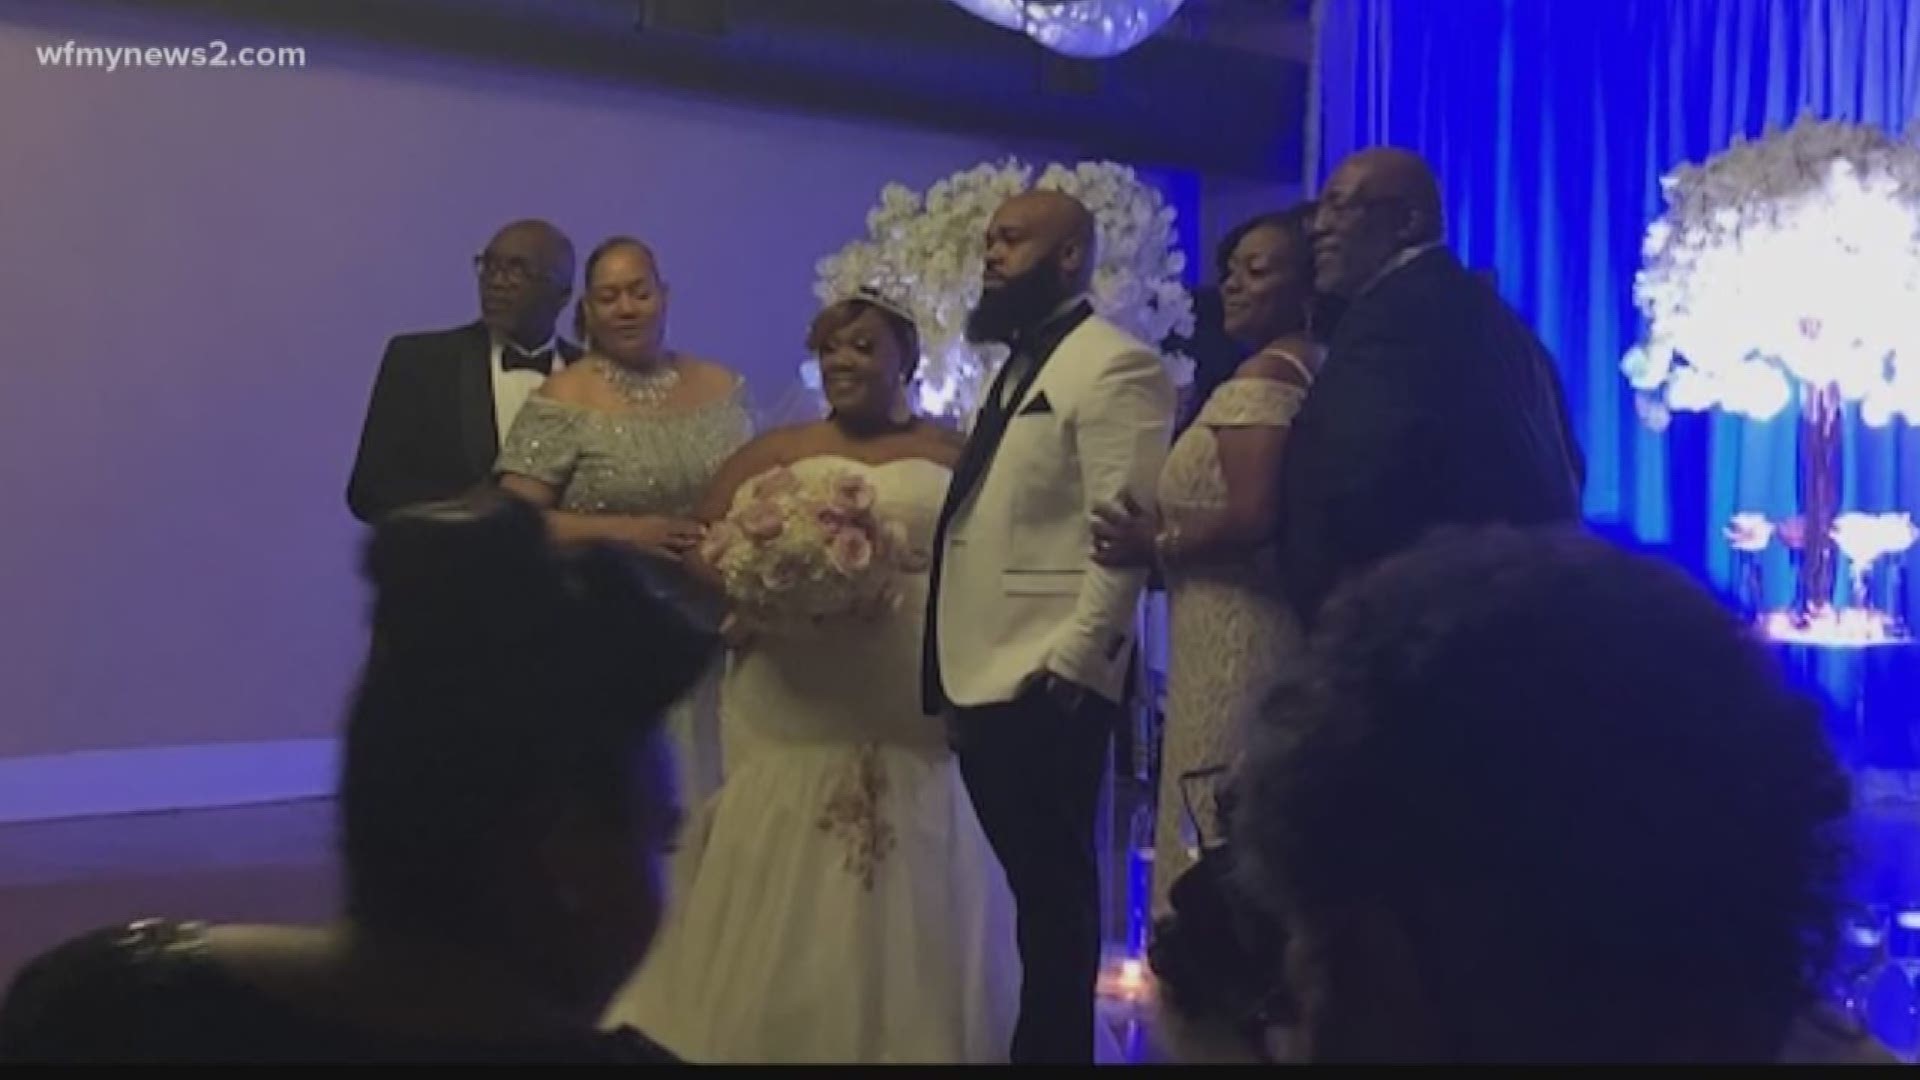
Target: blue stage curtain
{"points": [[1550, 123]]}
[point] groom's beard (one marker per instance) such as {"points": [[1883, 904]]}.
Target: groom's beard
{"points": [[1018, 305]]}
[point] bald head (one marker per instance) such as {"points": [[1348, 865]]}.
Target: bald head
{"points": [[1377, 204], [526, 278], [543, 237], [1040, 251], [1069, 222], [1059, 221], [1391, 174]]}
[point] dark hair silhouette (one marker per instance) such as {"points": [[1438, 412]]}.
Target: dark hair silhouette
{"points": [[1581, 788], [506, 678]]}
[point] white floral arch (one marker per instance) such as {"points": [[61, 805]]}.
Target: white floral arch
{"points": [[923, 251]]}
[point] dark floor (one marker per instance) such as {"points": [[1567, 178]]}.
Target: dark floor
{"points": [[275, 864], [257, 864]]}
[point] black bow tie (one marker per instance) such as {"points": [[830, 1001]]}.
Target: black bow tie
{"points": [[514, 358]]}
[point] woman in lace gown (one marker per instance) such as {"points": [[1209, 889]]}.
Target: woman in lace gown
{"points": [[1230, 628], [620, 445], [840, 900]]}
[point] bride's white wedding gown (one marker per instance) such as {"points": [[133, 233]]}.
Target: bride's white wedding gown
{"points": [[837, 899]]}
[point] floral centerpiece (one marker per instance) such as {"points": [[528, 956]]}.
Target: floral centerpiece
{"points": [[794, 551], [1790, 260], [1786, 272], [924, 250]]}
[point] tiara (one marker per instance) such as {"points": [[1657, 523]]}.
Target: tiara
{"points": [[868, 294]]}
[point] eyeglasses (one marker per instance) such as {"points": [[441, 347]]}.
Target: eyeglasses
{"points": [[514, 271]]}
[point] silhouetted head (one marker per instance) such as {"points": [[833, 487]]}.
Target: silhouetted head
{"points": [[1530, 797], [506, 787]]}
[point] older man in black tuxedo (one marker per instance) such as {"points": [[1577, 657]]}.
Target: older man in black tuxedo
{"points": [[443, 400], [1437, 404]]}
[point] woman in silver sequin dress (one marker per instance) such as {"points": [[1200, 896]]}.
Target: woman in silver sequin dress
{"points": [[619, 445]]}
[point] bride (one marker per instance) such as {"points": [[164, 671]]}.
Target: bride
{"points": [[837, 899]]}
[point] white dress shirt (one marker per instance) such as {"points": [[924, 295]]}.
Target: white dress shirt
{"points": [[510, 388]]}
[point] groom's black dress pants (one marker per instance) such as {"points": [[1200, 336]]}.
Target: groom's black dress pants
{"points": [[1034, 772]]}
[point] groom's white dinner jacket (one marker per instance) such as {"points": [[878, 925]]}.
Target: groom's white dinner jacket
{"points": [[1018, 591]]}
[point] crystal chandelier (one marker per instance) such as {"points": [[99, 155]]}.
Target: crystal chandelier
{"points": [[1087, 29]]}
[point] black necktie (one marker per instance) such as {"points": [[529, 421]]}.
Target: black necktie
{"points": [[514, 358]]}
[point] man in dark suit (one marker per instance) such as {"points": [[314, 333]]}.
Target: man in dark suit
{"points": [[1437, 404], [443, 401]]}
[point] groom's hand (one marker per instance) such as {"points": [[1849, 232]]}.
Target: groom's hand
{"points": [[736, 632], [1062, 693]]}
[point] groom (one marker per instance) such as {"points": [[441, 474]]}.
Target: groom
{"points": [[1027, 640]]}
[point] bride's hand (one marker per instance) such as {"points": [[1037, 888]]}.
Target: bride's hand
{"points": [[736, 632], [667, 538], [1122, 535], [877, 607]]}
